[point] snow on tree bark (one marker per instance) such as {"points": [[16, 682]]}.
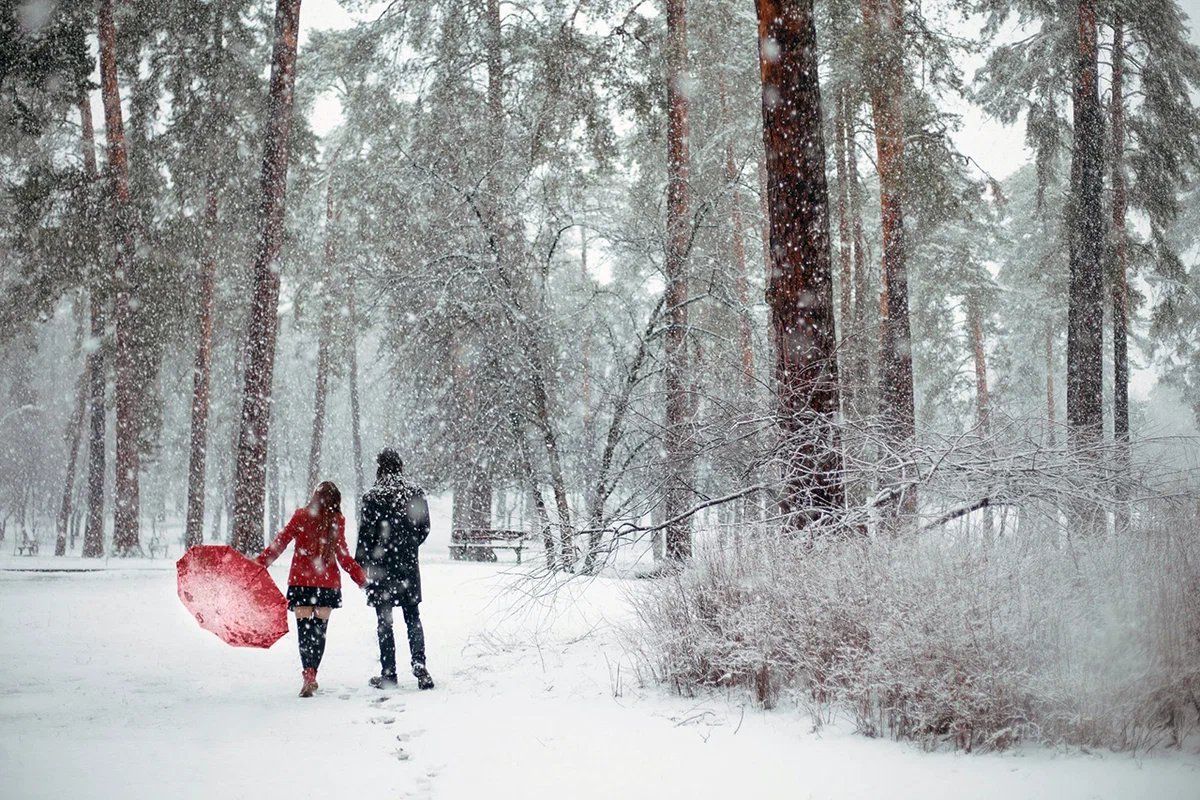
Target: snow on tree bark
{"points": [[677, 445], [263, 325], [126, 500], [800, 284]]}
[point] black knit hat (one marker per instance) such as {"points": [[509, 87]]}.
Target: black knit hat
{"points": [[389, 462]]}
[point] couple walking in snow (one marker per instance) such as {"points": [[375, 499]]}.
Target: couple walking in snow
{"points": [[393, 523]]}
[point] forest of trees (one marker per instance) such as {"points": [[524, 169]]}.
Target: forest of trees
{"points": [[640, 270]]}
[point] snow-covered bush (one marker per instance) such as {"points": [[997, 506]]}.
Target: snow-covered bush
{"points": [[949, 637]]}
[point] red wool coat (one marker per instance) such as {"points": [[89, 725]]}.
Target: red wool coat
{"points": [[308, 568]]}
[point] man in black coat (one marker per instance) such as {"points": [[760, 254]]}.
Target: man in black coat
{"points": [[393, 523]]}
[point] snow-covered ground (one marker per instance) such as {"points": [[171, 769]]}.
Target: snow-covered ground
{"points": [[108, 689]]}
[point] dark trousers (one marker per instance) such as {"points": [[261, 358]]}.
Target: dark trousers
{"points": [[387, 639]]}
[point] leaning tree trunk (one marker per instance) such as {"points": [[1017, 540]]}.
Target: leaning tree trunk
{"points": [[1120, 285], [1085, 310], [202, 377], [125, 511], [323, 340], [800, 291], [679, 457], [93, 534], [263, 327], [549, 549]]}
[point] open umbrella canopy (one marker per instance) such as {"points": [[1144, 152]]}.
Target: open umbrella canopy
{"points": [[231, 596]]}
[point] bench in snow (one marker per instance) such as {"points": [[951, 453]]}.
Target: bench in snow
{"points": [[481, 544]]}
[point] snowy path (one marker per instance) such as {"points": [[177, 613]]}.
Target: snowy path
{"points": [[109, 690]]}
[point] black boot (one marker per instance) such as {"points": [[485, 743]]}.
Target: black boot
{"points": [[424, 679], [387, 649]]}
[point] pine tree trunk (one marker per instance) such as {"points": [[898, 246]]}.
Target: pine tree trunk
{"points": [[275, 510], [125, 511], [589, 416], [263, 325], [1085, 313], [74, 436], [884, 21], [983, 397], [800, 291], [323, 342], [355, 409], [845, 246], [202, 378], [1120, 285], [845, 251], [1051, 411], [860, 357], [93, 535], [678, 468], [737, 246]]}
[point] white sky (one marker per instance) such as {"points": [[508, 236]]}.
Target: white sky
{"points": [[997, 149]]}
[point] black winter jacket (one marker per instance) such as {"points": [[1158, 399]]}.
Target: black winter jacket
{"points": [[393, 523]]}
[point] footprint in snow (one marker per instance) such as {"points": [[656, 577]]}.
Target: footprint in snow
{"points": [[382, 720]]}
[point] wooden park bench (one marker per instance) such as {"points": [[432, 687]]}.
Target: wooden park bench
{"points": [[157, 544], [27, 546], [481, 544]]}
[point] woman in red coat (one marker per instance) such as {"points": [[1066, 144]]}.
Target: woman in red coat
{"points": [[314, 583]]}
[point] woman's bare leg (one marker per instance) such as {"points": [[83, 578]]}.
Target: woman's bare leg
{"points": [[322, 612], [304, 612]]}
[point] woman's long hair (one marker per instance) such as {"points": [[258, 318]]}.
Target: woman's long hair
{"points": [[326, 506]]}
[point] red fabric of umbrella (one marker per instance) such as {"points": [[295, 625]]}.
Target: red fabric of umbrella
{"points": [[231, 596]]}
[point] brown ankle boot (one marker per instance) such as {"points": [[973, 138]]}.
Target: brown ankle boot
{"points": [[310, 683]]}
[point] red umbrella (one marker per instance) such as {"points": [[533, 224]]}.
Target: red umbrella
{"points": [[232, 596]]}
